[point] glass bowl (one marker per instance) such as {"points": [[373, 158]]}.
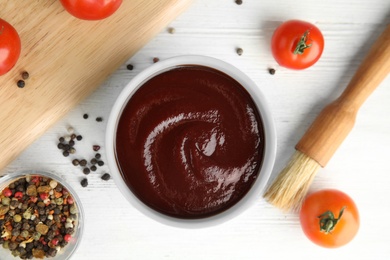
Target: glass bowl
{"points": [[67, 251], [257, 189]]}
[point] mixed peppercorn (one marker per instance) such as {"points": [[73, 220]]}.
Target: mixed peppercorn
{"points": [[38, 217]]}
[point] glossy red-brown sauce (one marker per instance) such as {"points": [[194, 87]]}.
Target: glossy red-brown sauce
{"points": [[189, 142]]}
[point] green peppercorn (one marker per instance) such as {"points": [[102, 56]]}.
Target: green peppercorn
{"points": [[24, 233], [17, 218], [36, 236], [5, 201], [27, 214]]}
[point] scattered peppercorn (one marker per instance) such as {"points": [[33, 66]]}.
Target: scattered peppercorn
{"points": [[60, 146], [61, 139], [130, 67], [83, 162], [98, 156], [93, 168], [271, 71], [155, 59], [86, 171], [239, 51], [171, 30], [25, 75], [65, 153], [79, 138], [96, 148], [85, 116], [100, 163], [84, 182], [99, 119], [94, 161], [21, 83], [239, 2], [106, 176]]}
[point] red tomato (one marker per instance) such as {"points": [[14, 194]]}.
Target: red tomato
{"points": [[297, 44], [329, 218], [9, 47], [91, 9]]}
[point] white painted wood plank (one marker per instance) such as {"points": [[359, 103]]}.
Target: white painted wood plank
{"points": [[216, 28]]}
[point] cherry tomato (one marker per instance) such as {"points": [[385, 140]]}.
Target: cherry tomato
{"points": [[9, 47], [329, 218], [297, 44], [91, 9]]}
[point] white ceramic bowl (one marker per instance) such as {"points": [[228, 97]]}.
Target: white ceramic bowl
{"points": [[256, 191]]}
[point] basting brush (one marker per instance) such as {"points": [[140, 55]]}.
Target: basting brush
{"points": [[329, 129]]}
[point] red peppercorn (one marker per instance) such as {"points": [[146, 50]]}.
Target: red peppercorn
{"points": [[18, 195], [43, 196], [70, 200], [35, 179], [7, 192], [33, 199], [67, 237], [54, 241], [42, 240]]}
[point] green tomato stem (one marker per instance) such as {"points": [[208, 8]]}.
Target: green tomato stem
{"points": [[301, 46], [328, 221]]}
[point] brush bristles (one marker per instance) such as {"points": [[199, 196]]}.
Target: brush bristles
{"points": [[289, 189]]}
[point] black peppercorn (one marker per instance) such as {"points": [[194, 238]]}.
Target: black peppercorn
{"points": [[21, 83], [25, 75], [130, 67], [239, 2], [155, 59], [93, 168], [100, 163], [75, 162], [99, 119], [65, 153], [84, 182], [106, 176], [98, 155], [83, 162], [271, 71], [79, 138], [239, 51], [86, 171]]}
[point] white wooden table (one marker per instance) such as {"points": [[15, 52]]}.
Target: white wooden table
{"points": [[115, 230]]}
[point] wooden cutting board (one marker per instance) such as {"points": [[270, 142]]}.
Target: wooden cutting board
{"points": [[67, 59]]}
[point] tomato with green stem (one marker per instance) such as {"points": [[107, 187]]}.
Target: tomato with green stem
{"points": [[10, 47], [91, 9], [297, 44], [329, 218]]}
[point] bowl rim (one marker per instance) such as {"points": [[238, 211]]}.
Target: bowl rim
{"points": [[258, 187], [9, 177]]}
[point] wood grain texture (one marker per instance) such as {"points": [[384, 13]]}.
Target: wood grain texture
{"points": [[337, 119], [67, 59]]}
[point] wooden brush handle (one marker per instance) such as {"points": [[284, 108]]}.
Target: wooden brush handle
{"points": [[336, 120]]}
